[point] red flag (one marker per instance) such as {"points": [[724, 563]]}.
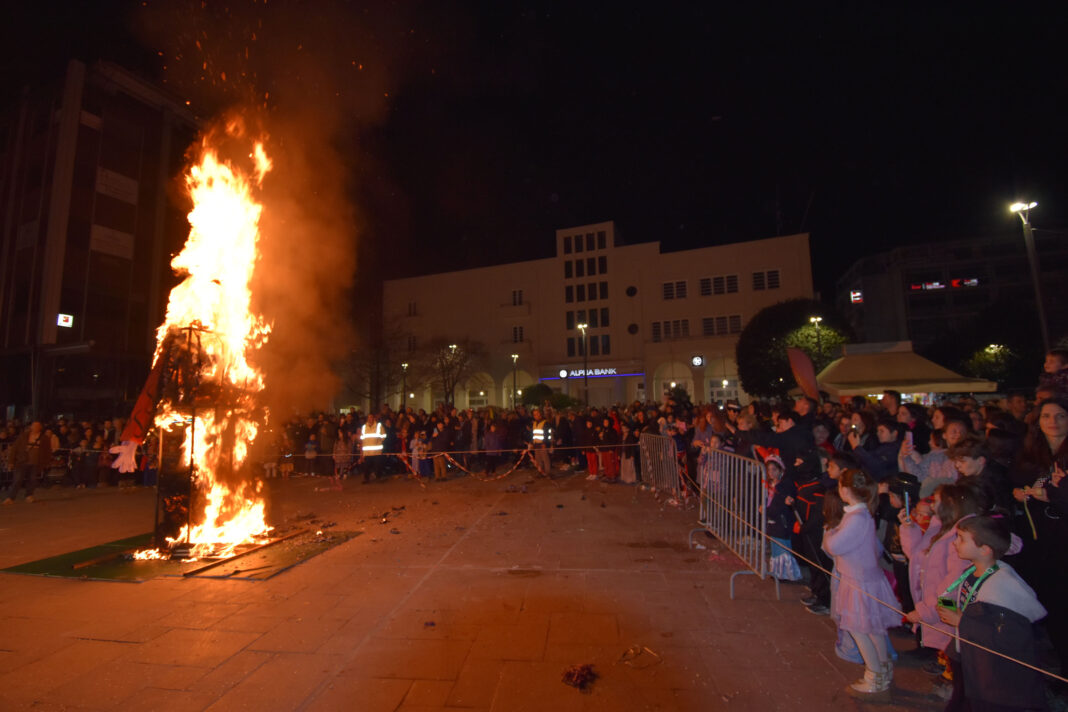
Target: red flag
{"points": [[804, 372]]}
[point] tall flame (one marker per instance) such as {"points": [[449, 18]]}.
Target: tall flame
{"points": [[214, 300]]}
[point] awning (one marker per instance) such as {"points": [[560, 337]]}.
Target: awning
{"points": [[874, 368]]}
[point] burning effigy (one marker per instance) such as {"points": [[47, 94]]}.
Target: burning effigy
{"points": [[202, 393]]}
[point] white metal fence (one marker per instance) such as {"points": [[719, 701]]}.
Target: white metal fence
{"points": [[660, 464], [733, 509]]}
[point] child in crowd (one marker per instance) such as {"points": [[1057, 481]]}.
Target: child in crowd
{"points": [[860, 586], [1054, 376], [991, 605], [933, 560], [419, 448], [780, 521], [494, 443]]}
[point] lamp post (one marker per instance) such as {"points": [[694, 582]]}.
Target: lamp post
{"points": [[815, 321], [515, 385], [404, 387], [1024, 211], [585, 363]]}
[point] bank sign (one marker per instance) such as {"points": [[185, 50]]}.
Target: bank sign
{"points": [[580, 372]]}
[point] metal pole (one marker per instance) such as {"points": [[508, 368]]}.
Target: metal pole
{"points": [[586, 367], [1032, 259]]}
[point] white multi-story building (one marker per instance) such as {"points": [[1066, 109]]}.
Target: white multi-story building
{"points": [[653, 319]]}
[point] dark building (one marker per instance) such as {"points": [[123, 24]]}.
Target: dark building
{"points": [[87, 168], [922, 292]]}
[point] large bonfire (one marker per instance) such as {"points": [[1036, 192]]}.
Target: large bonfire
{"points": [[210, 320]]}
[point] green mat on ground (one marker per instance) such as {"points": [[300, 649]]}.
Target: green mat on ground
{"points": [[105, 563]]}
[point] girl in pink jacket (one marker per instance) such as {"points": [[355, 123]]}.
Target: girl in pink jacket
{"points": [[933, 560]]}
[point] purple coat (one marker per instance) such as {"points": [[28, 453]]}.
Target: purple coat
{"points": [[932, 568], [859, 584]]}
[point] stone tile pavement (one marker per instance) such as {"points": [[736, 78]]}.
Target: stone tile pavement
{"points": [[479, 602]]}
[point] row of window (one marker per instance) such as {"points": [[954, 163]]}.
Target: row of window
{"points": [[710, 326], [575, 243], [590, 266], [584, 292], [723, 284], [599, 345], [594, 318]]}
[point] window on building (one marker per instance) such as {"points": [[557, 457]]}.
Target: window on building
{"points": [[594, 321], [732, 283], [570, 320], [589, 242], [567, 244], [568, 269], [580, 292], [604, 290], [591, 266], [591, 291], [604, 316], [580, 316], [578, 243], [656, 331], [582, 346], [580, 268], [736, 323], [708, 326], [606, 345], [758, 281], [602, 264], [706, 286], [719, 285], [517, 297], [685, 328], [773, 279], [680, 290], [569, 294], [602, 239], [412, 310], [517, 334], [669, 290], [721, 325], [595, 346], [570, 347]]}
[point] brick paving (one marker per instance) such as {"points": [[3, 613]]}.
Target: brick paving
{"points": [[479, 602]]}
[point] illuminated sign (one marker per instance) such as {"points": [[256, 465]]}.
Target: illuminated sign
{"points": [[563, 373], [580, 372], [698, 360], [956, 283], [856, 296], [65, 320]]}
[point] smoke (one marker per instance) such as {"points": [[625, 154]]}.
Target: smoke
{"points": [[311, 78]]}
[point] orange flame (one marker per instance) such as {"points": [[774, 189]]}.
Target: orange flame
{"points": [[218, 261]]}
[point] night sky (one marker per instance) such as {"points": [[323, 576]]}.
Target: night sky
{"points": [[479, 128]]}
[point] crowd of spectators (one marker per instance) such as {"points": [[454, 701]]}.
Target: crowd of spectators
{"points": [[934, 467]]}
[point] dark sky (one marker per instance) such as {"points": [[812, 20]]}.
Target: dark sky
{"points": [[868, 125]]}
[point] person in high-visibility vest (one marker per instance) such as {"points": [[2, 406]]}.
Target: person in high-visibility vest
{"points": [[372, 437], [540, 441]]}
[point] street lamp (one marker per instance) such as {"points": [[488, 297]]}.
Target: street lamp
{"points": [[815, 321], [1024, 211], [404, 385], [515, 360], [585, 362]]}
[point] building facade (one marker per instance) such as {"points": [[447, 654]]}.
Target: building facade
{"points": [[86, 234], [918, 292], [653, 319]]}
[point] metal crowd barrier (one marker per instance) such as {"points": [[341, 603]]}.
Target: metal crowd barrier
{"points": [[733, 509], [660, 465]]}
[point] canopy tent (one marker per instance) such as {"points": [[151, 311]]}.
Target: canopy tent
{"points": [[873, 368]]}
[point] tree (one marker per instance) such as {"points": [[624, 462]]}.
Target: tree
{"points": [[448, 363], [537, 395], [763, 368], [373, 372]]}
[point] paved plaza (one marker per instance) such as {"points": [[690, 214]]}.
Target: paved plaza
{"points": [[476, 596]]}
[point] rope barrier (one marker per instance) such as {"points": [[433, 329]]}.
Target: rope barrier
{"points": [[893, 607]]}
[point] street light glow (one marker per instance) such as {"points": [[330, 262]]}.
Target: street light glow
{"points": [[515, 357], [815, 319], [1017, 207], [582, 326]]}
